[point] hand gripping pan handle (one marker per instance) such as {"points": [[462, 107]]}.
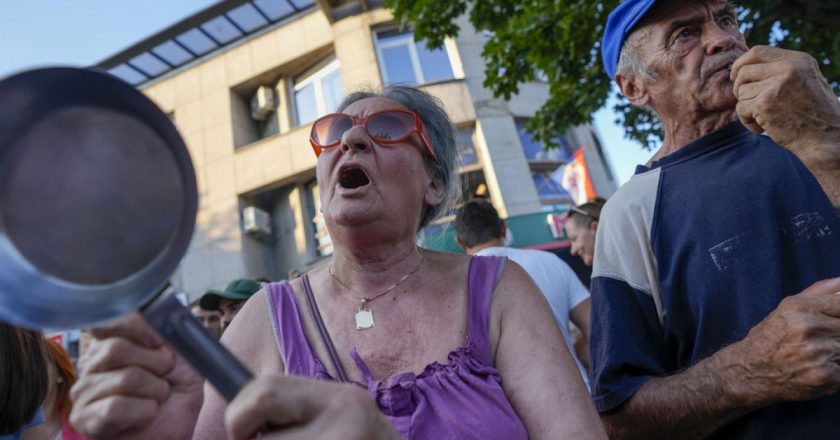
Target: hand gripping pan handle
{"points": [[192, 341]]}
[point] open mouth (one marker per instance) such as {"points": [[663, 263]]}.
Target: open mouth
{"points": [[353, 177]]}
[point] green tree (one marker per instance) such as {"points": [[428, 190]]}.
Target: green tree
{"points": [[560, 39]]}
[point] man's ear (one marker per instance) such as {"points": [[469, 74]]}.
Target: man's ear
{"points": [[634, 89], [460, 244], [594, 225], [502, 229]]}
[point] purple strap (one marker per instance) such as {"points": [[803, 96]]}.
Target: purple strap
{"points": [[484, 273], [291, 342], [322, 330]]}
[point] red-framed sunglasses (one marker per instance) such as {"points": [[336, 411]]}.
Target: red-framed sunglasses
{"points": [[386, 127]]}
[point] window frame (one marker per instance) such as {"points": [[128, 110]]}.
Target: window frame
{"points": [[406, 37], [315, 75]]}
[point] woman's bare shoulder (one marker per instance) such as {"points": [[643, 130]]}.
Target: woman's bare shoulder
{"points": [[250, 336]]}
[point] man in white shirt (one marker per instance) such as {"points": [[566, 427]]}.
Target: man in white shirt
{"points": [[480, 231]]}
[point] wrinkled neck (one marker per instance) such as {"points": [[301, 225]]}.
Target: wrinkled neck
{"points": [[365, 269], [680, 133]]}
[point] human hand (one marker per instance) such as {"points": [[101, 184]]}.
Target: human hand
{"points": [[783, 93], [793, 354], [298, 408], [132, 386]]}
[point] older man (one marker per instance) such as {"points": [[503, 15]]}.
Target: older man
{"points": [[712, 286]]}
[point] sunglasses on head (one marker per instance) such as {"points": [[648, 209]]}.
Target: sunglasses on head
{"points": [[582, 212], [386, 127]]}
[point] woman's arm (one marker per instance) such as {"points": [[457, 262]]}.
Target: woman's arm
{"points": [[580, 316], [251, 339], [539, 376]]}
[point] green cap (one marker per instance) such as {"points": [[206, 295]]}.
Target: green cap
{"points": [[237, 290]]}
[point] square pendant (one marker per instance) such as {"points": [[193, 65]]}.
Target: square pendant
{"points": [[364, 319]]}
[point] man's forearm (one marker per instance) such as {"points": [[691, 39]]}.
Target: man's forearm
{"points": [[689, 405], [816, 139], [821, 155]]}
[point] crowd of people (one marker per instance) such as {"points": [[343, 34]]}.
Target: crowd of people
{"points": [[713, 312]]}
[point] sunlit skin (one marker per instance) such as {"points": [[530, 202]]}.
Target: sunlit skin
{"points": [[689, 46], [581, 234]]}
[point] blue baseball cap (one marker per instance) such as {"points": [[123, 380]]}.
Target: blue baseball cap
{"points": [[619, 24]]}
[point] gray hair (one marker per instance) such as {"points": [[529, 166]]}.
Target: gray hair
{"points": [[441, 133], [630, 60]]}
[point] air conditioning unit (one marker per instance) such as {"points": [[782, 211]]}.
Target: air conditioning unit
{"points": [[262, 103], [256, 222]]}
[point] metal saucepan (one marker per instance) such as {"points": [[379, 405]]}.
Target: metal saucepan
{"points": [[97, 207]]}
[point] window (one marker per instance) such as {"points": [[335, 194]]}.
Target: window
{"points": [[535, 150], [549, 190], [467, 154], [318, 91], [402, 60], [255, 113]]}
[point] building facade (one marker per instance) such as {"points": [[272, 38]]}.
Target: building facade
{"points": [[243, 80]]}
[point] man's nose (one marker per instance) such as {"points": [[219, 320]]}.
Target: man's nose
{"points": [[355, 139], [718, 39]]}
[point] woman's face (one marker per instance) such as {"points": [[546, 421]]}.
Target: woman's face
{"points": [[362, 182], [581, 235]]}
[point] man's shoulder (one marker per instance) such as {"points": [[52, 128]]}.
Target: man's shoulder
{"points": [[524, 257], [512, 253], [632, 206]]}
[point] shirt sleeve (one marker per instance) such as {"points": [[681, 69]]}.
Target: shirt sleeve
{"points": [[626, 346], [577, 291]]}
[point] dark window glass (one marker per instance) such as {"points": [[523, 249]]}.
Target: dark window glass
{"points": [[398, 65], [435, 63], [196, 41], [148, 64], [247, 17], [221, 29], [172, 53], [274, 9]]}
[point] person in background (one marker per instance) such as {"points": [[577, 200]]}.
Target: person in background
{"points": [[715, 268], [581, 226], [210, 319], [23, 383], [229, 301], [442, 344], [57, 404], [481, 232]]}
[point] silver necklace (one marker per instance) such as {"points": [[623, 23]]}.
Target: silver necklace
{"points": [[364, 316]]}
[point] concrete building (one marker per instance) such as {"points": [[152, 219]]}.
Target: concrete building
{"points": [[242, 80]]}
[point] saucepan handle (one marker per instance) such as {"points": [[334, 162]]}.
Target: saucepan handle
{"points": [[197, 345]]}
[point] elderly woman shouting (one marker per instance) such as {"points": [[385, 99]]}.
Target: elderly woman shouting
{"points": [[446, 346]]}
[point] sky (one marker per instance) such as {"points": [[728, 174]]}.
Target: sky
{"points": [[83, 32]]}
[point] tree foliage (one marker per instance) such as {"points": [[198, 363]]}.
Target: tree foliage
{"points": [[560, 39]]}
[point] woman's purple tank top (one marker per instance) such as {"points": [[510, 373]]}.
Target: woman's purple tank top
{"points": [[462, 399]]}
